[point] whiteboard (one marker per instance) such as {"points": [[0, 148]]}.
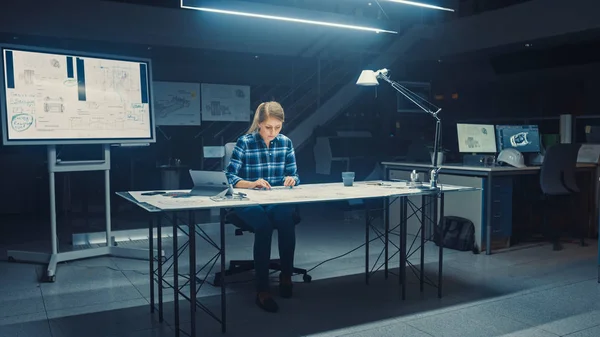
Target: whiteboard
{"points": [[62, 97], [177, 103], [221, 102]]}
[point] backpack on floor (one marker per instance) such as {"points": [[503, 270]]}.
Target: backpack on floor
{"points": [[457, 233]]}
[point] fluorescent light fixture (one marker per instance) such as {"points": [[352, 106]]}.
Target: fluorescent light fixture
{"points": [[283, 18], [419, 4]]}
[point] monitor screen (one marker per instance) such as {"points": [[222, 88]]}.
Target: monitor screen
{"points": [[67, 97], [476, 138], [525, 138]]}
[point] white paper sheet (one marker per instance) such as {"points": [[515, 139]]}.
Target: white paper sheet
{"points": [[299, 194]]}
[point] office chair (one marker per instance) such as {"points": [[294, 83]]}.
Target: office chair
{"points": [[242, 266], [557, 181]]}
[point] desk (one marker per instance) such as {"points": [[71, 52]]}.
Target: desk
{"points": [[308, 193], [492, 215]]}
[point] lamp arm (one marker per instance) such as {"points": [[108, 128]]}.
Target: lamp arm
{"points": [[407, 93], [433, 179]]}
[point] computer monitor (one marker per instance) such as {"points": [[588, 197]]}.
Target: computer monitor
{"points": [[476, 138], [525, 138]]}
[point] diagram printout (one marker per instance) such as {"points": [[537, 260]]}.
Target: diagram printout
{"points": [[177, 103], [56, 97], [222, 102]]}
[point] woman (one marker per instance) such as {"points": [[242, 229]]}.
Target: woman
{"points": [[263, 158]]}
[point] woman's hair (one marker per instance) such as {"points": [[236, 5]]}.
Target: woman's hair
{"points": [[264, 111]]}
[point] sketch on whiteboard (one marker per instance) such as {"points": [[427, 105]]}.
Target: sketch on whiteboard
{"points": [[28, 76], [222, 102], [54, 104], [56, 96], [177, 103]]}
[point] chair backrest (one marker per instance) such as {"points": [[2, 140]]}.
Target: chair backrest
{"points": [[569, 174], [228, 151], [557, 175]]}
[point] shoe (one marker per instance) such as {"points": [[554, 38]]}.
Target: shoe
{"points": [[266, 302], [285, 286]]}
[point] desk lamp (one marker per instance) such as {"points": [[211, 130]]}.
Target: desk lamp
{"points": [[370, 78]]}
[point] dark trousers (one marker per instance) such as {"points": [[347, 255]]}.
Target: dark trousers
{"points": [[263, 220]]}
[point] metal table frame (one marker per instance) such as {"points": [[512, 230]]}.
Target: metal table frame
{"points": [[160, 265]]}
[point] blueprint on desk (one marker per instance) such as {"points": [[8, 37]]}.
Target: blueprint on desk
{"points": [[180, 200]]}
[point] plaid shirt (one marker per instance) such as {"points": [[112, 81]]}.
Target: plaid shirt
{"points": [[252, 160]]}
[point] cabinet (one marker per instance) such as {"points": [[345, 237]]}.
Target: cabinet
{"points": [[502, 199]]}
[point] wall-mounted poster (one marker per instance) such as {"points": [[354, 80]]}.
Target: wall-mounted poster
{"points": [[221, 102], [176, 103]]}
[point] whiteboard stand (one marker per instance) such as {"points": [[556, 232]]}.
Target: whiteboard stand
{"points": [[57, 166]]}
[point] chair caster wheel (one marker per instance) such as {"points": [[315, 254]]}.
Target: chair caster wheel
{"points": [[11, 259], [307, 278]]}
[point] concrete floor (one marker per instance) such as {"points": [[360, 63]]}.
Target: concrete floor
{"points": [[528, 292]]}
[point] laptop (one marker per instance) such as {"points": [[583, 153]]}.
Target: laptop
{"points": [[209, 183]]}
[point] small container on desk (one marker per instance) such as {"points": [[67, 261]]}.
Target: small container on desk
{"points": [[348, 178]]}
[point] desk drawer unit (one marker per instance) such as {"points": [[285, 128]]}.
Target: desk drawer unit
{"points": [[501, 194]]}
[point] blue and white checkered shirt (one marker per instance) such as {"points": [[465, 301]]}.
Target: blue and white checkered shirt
{"points": [[252, 160]]}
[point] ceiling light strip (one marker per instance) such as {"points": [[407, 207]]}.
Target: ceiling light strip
{"points": [[419, 4], [282, 18]]}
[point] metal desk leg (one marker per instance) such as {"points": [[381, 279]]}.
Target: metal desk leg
{"points": [[425, 200], [366, 245], [386, 221], [223, 293], [192, 249], [488, 215], [441, 246], [176, 274], [403, 234], [160, 266], [151, 259]]}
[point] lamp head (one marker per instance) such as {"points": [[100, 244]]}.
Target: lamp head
{"points": [[369, 77]]}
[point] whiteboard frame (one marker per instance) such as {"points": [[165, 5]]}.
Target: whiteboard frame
{"points": [[72, 141]]}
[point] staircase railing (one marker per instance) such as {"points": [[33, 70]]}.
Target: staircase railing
{"points": [[287, 99]]}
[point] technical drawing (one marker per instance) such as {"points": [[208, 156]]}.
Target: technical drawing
{"points": [[163, 109], [28, 76], [239, 93], [519, 139], [113, 105], [54, 104], [116, 83], [225, 102], [70, 82], [472, 143], [216, 109], [92, 105], [177, 103]]}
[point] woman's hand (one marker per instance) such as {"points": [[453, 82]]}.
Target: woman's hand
{"points": [[289, 181], [261, 183]]}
